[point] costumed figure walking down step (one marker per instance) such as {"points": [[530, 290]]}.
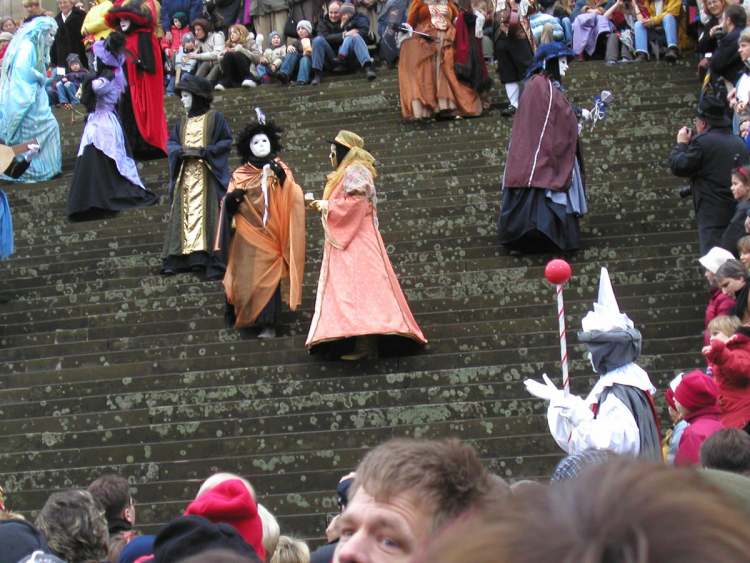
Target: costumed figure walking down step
{"points": [[618, 414], [142, 106], [199, 147], [105, 178], [543, 192], [427, 80], [359, 299], [266, 260], [25, 113]]}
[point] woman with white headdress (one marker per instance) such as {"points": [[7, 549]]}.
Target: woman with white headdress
{"points": [[25, 113], [618, 414]]}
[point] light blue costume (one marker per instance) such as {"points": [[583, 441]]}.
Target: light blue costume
{"points": [[25, 113], [6, 227]]}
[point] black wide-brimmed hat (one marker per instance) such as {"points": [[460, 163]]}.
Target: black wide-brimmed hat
{"points": [[714, 111], [196, 85]]}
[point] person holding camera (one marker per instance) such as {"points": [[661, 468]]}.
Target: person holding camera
{"points": [[707, 156]]}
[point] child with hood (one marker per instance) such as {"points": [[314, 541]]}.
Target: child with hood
{"points": [[68, 85]]}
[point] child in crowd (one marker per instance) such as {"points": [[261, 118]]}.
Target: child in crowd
{"points": [[672, 436], [299, 53], [728, 358], [272, 57], [696, 400], [182, 65], [719, 303], [179, 29], [68, 84], [743, 249]]}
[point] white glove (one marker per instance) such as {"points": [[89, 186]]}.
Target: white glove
{"points": [[407, 29], [586, 114], [33, 148], [546, 390], [572, 408]]}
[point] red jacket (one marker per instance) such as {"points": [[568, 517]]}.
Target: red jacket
{"points": [[718, 304], [171, 47], [730, 367], [701, 424]]}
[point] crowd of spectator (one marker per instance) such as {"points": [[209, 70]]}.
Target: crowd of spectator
{"points": [[247, 43], [425, 501]]}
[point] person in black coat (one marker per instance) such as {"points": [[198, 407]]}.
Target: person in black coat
{"points": [[741, 192], [707, 157], [725, 61], [342, 36], [68, 39]]}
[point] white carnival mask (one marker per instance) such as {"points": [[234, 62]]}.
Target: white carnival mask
{"points": [[187, 100], [260, 145], [332, 156], [562, 64], [49, 37], [124, 24]]}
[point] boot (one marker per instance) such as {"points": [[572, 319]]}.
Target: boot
{"points": [[364, 347], [671, 55], [316, 78], [370, 71]]}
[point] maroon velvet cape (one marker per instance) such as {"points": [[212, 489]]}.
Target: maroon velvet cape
{"points": [[543, 140]]}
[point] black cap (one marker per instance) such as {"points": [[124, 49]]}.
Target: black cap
{"points": [[18, 539], [714, 111], [190, 535], [196, 85]]}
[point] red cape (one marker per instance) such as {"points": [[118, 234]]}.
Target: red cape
{"points": [[147, 94], [543, 141]]}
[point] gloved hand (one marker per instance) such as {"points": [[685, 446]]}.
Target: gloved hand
{"points": [[572, 408], [318, 205], [233, 200], [547, 390], [586, 114], [279, 171]]}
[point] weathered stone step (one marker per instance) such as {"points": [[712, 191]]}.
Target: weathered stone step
{"points": [[164, 451], [428, 285], [267, 475]]}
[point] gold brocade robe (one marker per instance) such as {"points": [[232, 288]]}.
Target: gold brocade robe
{"points": [[194, 209]]}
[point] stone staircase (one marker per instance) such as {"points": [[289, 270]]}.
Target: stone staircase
{"points": [[107, 366]]}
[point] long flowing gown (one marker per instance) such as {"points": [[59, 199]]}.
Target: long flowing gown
{"points": [[358, 292], [25, 113], [426, 77], [105, 178], [543, 192], [197, 185], [267, 251]]}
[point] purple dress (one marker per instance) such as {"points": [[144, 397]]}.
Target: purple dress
{"points": [[105, 179]]}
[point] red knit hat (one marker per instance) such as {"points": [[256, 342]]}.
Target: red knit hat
{"points": [[230, 502], [696, 391]]}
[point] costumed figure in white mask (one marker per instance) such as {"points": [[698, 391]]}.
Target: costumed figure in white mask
{"points": [[105, 179], [198, 150], [266, 249], [543, 193], [25, 113], [618, 414]]}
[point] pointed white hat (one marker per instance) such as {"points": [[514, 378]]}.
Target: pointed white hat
{"points": [[606, 315]]}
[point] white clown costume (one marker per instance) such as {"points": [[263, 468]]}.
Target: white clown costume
{"points": [[618, 414]]}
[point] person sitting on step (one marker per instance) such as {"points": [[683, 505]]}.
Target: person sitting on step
{"points": [[341, 39], [660, 24], [298, 56]]}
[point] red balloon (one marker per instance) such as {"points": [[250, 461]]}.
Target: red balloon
{"points": [[557, 271]]}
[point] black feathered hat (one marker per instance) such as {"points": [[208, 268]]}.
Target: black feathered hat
{"points": [[136, 11], [196, 85], [260, 126]]}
